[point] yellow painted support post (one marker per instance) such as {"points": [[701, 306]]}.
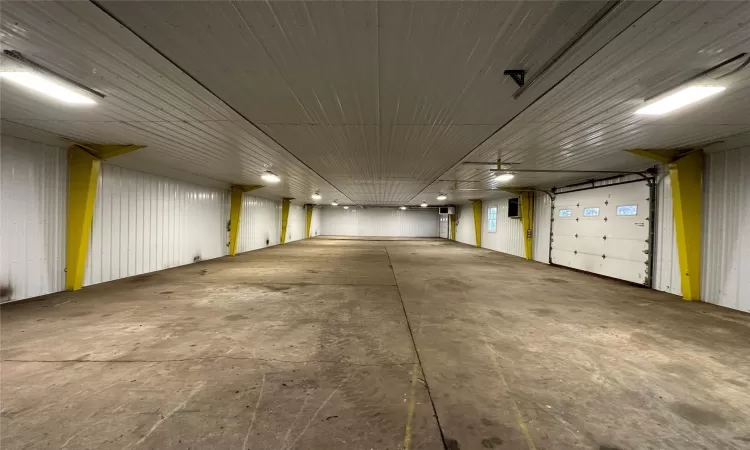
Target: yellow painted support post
{"points": [[284, 217], [235, 214], [477, 204], [308, 221], [83, 174], [686, 175], [453, 226], [527, 221]]}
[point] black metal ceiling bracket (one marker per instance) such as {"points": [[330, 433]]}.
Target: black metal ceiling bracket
{"points": [[517, 75]]}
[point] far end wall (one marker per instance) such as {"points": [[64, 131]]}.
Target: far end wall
{"points": [[337, 221]]}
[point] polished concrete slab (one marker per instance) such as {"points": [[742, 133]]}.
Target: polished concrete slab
{"points": [[312, 345]]}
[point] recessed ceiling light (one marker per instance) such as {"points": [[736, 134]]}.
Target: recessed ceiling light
{"points": [[402, 208], [503, 177], [316, 196], [681, 98], [41, 84], [270, 177], [424, 204], [334, 203], [442, 197], [346, 207]]}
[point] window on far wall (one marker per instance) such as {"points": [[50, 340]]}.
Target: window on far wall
{"points": [[492, 219]]}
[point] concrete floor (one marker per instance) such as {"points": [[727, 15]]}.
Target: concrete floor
{"points": [[308, 346]]}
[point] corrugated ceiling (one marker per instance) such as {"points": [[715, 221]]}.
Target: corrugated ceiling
{"points": [[381, 99]]}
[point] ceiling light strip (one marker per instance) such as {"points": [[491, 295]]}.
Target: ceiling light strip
{"points": [[17, 56]]}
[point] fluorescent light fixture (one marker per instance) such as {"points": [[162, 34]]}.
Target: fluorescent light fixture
{"points": [[681, 98], [270, 177], [346, 207], [402, 208], [45, 86], [334, 203], [316, 196], [442, 197], [503, 177], [424, 204]]}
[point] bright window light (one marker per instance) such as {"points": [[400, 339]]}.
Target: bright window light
{"points": [[442, 197], [334, 203], [47, 87], [503, 177], [346, 207], [679, 99], [424, 205], [402, 208], [270, 177], [316, 196]]}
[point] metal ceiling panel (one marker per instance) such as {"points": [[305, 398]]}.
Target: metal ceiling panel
{"points": [[587, 121], [148, 101], [380, 98]]}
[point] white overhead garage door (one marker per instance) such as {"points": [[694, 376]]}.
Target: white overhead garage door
{"points": [[605, 230]]}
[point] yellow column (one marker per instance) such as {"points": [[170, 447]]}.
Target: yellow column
{"points": [[686, 175], [284, 217], [453, 226], [235, 213], [527, 219], [83, 174], [308, 222], [477, 204]]}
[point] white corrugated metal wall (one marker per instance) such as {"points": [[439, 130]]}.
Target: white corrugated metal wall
{"points": [[666, 266], [465, 224], [315, 222], [509, 235], [379, 222], [33, 205], [295, 229], [260, 224], [144, 223], [726, 229], [541, 226]]}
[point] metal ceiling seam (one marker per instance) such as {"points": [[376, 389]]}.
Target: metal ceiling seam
{"points": [[98, 4], [550, 89]]}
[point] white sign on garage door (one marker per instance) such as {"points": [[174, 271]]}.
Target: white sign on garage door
{"points": [[605, 230]]}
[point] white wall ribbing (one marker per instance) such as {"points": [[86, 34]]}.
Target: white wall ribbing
{"points": [[260, 224], [509, 235], [336, 221], [726, 229], [542, 223], [144, 223], [465, 224], [295, 229], [33, 205]]}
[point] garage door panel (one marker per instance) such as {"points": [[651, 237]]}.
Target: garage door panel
{"points": [[567, 243], [562, 257], [606, 229]]}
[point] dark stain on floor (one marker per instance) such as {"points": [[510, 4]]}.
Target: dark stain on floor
{"points": [[452, 444], [233, 317], [277, 288], [544, 312], [698, 416], [491, 442]]}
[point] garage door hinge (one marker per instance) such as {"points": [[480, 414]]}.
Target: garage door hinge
{"points": [[604, 256], [605, 219], [576, 234], [605, 237], [646, 251]]}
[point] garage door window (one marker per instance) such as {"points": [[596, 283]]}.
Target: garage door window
{"points": [[627, 210], [590, 212], [492, 219]]}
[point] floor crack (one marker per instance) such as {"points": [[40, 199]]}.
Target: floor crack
{"points": [[419, 360]]}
